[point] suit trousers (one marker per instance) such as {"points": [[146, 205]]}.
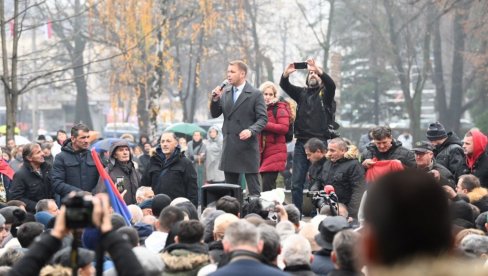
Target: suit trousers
{"points": [[252, 179]]}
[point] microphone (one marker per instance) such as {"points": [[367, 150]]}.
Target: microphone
{"points": [[224, 83], [328, 189]]}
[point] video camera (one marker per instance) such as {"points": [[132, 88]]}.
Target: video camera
{"points": [[326, 197]]}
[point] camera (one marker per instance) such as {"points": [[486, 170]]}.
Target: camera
{"points": [[78, 211], [321, 199]]}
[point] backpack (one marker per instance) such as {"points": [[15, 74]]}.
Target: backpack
{"points": [[289, 133]]}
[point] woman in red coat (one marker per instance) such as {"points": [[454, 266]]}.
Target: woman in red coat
{"points": [[272, 142]]}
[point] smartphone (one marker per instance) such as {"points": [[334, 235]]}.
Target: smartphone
{"points": [[301, 65]]}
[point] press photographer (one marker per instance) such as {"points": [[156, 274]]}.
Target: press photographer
{"points": [[77, 213]]}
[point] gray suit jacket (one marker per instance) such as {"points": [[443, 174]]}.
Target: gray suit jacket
{"points": [[248, 112]]}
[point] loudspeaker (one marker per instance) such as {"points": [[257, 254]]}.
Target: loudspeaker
{"points": [[213, 192]]}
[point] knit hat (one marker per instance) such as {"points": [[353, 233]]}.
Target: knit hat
{"points": [[43, 217], [2, 220], [436, 131]]}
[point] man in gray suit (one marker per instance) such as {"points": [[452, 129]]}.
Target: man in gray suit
{"points": [[244, 117]]}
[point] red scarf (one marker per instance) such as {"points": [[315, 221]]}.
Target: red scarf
{"points": [[6, 169], [479, 146]]}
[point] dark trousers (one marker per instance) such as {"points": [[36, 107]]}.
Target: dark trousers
{"points": [[252, 179], [300, 169], [269, 180]]}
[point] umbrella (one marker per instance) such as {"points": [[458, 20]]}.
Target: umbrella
{"points": [[3, 130], [19, 140], [105, 144], [186, 129]]}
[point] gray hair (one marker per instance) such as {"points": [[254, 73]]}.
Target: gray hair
{"points": [[136, 213], [344, 247], [242, 232], [271, 242], [141, 191], [43, 205], [296, 250], [474, 245]]}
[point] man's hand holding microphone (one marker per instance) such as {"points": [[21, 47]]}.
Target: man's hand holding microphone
{"points": [[217, 92]]}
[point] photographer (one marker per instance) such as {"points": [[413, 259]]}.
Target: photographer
{"points": [[315, 112], [41, 251]]}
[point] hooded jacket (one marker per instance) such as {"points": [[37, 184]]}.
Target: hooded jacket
{"points": [[479, 198], [213, 155], [125, 175], [175, 176], [74, 171], [30, 187], [184, 259], [477, 163], [272, 141], [450, 154], [397, 151], [311, 120]]}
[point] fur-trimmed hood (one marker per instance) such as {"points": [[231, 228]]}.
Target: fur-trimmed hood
{"points": [[183, 258], [477, 194]]}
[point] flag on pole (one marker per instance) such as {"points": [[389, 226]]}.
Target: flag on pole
{"points": [[118, 203]]}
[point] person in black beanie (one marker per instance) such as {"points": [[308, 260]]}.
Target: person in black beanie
{"points": [[448, 150]]}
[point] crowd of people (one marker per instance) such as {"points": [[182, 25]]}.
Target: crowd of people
{"points": [[379, 209]]}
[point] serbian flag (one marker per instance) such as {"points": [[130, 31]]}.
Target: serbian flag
{"points": [[118, 203]]}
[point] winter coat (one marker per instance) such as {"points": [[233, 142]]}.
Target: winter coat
{"points": [[477, 163], [299, 270], [315, 175], [247, 266], [450, 154], [479, 198], [272, 141], [248, 112], [41, 251], [175, 177], [397, 151], [74, 171], [213, 156], [29, 186], [184, 259], [347, 178], [192, 153], [446, 177], [311, 120], [322, 264], [126, 174], [143, 163]]}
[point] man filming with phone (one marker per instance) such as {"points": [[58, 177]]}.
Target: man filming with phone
{"points": [[314, 117]]}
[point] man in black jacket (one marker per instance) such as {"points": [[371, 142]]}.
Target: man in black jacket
{"points": [[32, 182], [345, 175], [384, 147], [170, 172], [315, 104], [74, 168], [448, 149], [315, 150], [424, 157]]}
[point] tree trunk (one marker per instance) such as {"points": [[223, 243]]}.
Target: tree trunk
{"points": [[82, 110], [438, 75], [455, 107]]}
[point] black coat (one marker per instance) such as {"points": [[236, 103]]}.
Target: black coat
{"points": [[480, 169], [311, 120], [175, 177], [347, 178], [315, 175], [30, 187], [41, 251], [446, 177], [74, 171], [450, 154], [397, 151]]}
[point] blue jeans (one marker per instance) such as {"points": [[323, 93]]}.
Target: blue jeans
{"points": [[300, 169]]}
